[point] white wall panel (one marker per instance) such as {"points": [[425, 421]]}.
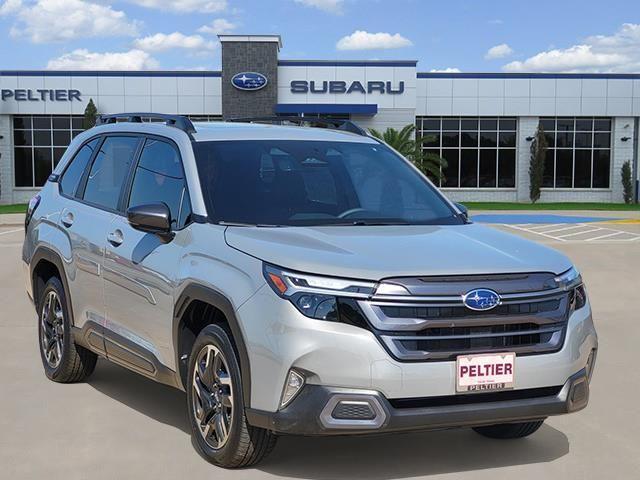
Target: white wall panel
{"points": [[491, 87], [110, 85], [137, 86], [31, 82], [569, 87], [110, 104], [594, 106], [164, 86], [465, 105], [137, 103], [594, 87], [543, 87], [517, 87], [567, 106], [55, 83], [516, 106], [439, 106], [491, 106], [164, 103], [619, 106], [191, 105], [465, 87], [88, 86], [212, 86], [619, 88], [542, 106], [439, 87]]}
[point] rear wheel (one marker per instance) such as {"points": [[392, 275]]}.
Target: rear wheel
{"points": [[509, 430], [63, 360], [216, 405]]}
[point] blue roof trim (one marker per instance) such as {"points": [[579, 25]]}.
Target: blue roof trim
{"points": [[324, 108], [529, 75], [347, 63], [102, 73]]}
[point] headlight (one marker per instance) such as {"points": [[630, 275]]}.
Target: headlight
{"points": [[571, 281], [315, 296], [33, 204]]}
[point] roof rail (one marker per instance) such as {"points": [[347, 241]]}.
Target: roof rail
{"points": [[178, 121], [333, 123]]}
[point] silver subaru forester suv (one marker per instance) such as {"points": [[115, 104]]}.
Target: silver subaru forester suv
{"points": [[297, 280]]}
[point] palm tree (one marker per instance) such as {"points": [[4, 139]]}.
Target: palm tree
{"points": [[403, 142]]}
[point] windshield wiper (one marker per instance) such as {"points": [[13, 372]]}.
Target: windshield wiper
{"points": [[369, 223], [241, 224]]}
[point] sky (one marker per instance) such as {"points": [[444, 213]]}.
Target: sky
{"points": [[467, 36]]}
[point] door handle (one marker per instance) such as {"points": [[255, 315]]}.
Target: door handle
{"points": [[67, 219], [115, 238]]}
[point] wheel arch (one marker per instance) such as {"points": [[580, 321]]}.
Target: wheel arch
{"points": [[43, 261], [199, 293]]}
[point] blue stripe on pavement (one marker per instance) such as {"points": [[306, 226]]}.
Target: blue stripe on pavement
{"points": [[520, 218]]}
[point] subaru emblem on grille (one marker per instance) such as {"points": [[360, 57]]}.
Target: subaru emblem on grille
{"points": [[481, 299]]}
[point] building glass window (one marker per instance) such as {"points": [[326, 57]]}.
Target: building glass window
{"points": [[480, 151], [39, 143], [579, 154]]}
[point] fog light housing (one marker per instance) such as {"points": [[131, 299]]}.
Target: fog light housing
{"points": [[591, 361], [293, 385]]}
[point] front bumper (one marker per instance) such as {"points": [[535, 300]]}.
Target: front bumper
{"points": [[313, 412]]}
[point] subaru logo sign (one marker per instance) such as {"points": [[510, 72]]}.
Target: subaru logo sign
{"points": [[249, 81], [481, 299]]}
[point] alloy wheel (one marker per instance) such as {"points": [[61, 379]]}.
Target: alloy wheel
{"points": [[212, 397], [52, 329]]}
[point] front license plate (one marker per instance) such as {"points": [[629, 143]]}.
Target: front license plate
{"points": [[487, 372]]}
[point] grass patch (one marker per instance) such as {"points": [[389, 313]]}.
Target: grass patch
{"points": [[17, 208], [552, 206]]}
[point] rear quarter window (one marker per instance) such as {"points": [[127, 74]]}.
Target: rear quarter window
{"points": [[78, 164]]}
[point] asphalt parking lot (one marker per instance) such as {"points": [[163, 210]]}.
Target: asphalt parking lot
{"points": [[120, 425]]}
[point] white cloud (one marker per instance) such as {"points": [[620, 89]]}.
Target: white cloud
{"points": [[330, 6], [62, 20], [185, 6], [361, 40], [82, 59], [220, 26], [445, 70], [495, 21], [10, 6], [619, 52], [161, 42], [499, 51]]}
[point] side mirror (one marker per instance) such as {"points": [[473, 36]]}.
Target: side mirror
{"points": [[151, 218], [464, 211]]}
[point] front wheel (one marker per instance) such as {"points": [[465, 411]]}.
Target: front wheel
{"points": [[509, 430], [216, 405]]}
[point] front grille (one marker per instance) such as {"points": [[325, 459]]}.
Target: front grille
{"points": [[433, 324]]}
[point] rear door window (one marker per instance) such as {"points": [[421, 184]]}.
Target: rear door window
{"points": [[109, 171]]}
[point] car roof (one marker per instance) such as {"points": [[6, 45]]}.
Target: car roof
{"points": [[219, 131]]}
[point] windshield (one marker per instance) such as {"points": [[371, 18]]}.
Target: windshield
{"points": [[310, 183]]}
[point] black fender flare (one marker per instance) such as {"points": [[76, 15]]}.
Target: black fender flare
{"points": [[46, 253], [216, 299]]}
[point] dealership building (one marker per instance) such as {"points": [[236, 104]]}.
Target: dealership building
{"points": [[481, 123]]}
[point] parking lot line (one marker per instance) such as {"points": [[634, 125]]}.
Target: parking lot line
{"points": [[579, 225], [580, 233], [11, 231], [516, 227], [605, 236]]}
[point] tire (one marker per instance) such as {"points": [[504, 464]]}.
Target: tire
{"points": [[62, 359], [509, 430], [244, 444]]}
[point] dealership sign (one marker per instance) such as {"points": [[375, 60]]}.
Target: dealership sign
{"points": [[40, 95], [338, 86], [249, 81]]}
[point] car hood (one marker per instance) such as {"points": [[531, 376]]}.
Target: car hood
{"points": [[377, 252]]}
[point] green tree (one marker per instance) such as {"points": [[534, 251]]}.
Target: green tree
{"points": [[536, 167], [405, 143], [90, 115], [627, 182]]}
